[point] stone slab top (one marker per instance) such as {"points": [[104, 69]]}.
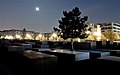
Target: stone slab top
{"points": [[113, 58], [93, 51], [33, 54], [68, 52]]}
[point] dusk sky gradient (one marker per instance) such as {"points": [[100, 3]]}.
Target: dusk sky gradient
{"points": [[19, 14]]}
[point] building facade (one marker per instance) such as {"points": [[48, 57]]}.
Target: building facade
{"points": [[114, 27]]}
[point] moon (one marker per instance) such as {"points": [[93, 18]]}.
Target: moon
{"points": [[37, 8]]}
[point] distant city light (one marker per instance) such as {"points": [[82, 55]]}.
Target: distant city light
{"points": [[87, 32], [28, 36], [107, 39], [9, 37], [95, 33], [98, 30], [78, 39], [40, 35], [18, 36], [1, 37], [54, 35], [98, 33]]}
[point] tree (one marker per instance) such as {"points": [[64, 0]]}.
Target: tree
{"points": [[103, 36], [72, 25], [93, 37], [110, 35], [24, 33]]}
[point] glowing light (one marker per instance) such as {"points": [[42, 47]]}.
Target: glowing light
{"points": [[107, 39], [40, 35], [28, 36], [8, 37], [46, 38], [1, 37], [98, 38], [54, 35], [37, 8], [98, 33], [78, 39], [87, 32], [98, 30], [95, 33], [18, 36]]}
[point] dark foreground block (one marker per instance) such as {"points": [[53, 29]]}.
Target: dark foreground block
{"points": [[4, 70], [30, 63], [95, 54], [66, 56], [113, 52], [111, 58], [42, 63]]}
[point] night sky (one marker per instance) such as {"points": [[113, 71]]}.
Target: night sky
{"points": [[19, 14]]}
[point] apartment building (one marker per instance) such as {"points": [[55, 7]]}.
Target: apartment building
{"points": [[115, 27]]}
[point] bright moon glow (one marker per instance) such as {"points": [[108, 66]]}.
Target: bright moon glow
{"points": [[37, 8]]}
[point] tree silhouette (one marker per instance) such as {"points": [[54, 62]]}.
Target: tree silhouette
{"points": [[72, 25]]}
